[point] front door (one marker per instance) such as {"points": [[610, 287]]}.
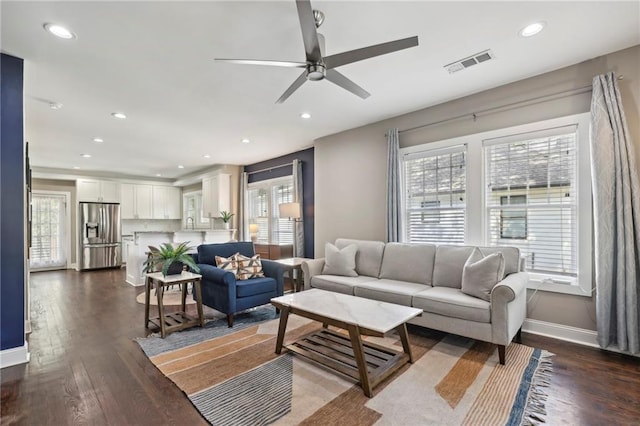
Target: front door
{"points": [[49, 230]]}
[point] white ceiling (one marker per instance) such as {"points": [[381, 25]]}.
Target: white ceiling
{"points": [[154, 61]]}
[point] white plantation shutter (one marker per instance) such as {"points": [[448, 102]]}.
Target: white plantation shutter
{"points": [[531, 197], [48, 243], [283, 227], [264, 197], [435, 196]]}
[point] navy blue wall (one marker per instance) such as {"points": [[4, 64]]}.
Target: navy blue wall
{"points": [[308, 203], [12, 218]]}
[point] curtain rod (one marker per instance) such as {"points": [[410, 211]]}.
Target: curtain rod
{"points": [[271, 168], [492, 110]]}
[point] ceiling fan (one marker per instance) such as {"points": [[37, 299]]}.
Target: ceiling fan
{"points": [[317, 66]]}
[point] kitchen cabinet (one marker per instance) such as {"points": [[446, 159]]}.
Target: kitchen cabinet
{"points": [[100, 191], [166, 202], [216, 194], [136, 201]]}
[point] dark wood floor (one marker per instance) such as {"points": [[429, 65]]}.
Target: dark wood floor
{"points": [[86, 369]]}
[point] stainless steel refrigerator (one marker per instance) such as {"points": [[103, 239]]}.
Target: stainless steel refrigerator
{"points": [[99, 234]]}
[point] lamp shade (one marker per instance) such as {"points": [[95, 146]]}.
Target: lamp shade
{"points": [[253, 228], [289, 210]]}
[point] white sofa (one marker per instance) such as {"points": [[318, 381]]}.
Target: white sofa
{"points": [[429, 277]]}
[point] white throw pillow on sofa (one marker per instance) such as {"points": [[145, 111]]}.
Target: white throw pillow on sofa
{"points": [[481, 274], [340, 261]]}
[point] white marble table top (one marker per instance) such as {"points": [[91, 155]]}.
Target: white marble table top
{"points": [[370, 314], [184, 276]]}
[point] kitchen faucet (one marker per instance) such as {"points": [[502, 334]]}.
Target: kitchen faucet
{"points": [[193, 226]]}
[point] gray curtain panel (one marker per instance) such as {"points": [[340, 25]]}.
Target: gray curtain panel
{"points": [[243, 222], [393, 186], [297, 193], [616, 206]]}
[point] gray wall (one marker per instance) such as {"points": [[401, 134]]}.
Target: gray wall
{"points": [[350, 167]]}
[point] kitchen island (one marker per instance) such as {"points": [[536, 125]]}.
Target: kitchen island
{"points": [[137, 250]]}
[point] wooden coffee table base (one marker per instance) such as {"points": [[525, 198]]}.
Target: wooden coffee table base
{"points": [[366, 362]]}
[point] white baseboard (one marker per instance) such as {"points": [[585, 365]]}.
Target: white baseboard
{"points": [[73, 266], [561, 332], [15, 356]]}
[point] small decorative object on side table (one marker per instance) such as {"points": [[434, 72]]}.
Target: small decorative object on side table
{"points": [[294, 264], [176, 320]]}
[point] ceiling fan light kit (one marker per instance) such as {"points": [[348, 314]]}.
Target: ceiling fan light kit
{"points": [[318, 66]]}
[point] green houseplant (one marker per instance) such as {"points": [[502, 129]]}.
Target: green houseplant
{"points": [[165, 256], [226, 217]]}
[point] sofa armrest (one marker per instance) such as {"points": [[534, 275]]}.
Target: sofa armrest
{"points": [[508, 307], [311, 268], [274, 270]]}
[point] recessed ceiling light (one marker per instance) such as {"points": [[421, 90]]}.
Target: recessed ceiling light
{"points": [[119, 115], [305, 115], [158, 174], [55, 105], [532, 29], [98, 140], [245, 140], [180, 166], [85, 155], [59, 31], [76, 167], [206, 156]]}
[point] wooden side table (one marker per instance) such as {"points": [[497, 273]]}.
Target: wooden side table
{"points": [[294, 264], [176, 320]]}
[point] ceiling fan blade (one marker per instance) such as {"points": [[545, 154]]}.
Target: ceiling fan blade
{"points": [[309, 33], [294, 86], [261, 62], [336, 78], [344, 58]]}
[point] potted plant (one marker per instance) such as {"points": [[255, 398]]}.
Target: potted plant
{"points": [[226, 217], [169, 259]]}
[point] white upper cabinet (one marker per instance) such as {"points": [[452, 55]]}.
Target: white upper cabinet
{"points": [[99, 191], [216, 194], [135, 201], [166, 202]]}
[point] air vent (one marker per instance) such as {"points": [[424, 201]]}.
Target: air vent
{"points": [[470, 61]]}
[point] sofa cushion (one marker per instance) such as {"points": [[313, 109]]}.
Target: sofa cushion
{"points": [[369, 256], [249, 267], [340, 261], [339, 284], [482, 273], [254, 286], [452, 302], [449, 263], [408, 262], [511, 257], [392, 291]]}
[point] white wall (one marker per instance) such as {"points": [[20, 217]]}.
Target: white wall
{"points": [[351, 166]]}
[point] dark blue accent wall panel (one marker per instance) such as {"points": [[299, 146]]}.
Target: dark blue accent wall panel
{"points": [[308, 194], [12, 242]]}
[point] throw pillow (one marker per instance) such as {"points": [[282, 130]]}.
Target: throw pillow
{"points": [[228, 264], [340, 261], [249, 267], [481, 274]]}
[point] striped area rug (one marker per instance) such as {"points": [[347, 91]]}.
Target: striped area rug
{"points": [[233, 377]]}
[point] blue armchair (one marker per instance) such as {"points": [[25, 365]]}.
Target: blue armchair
{"points": [[220, 289]]}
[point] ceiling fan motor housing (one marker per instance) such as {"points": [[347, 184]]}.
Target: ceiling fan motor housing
{"points": [[316, 72]]}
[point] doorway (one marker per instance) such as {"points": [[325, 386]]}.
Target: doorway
{"points": [[50, 244]]}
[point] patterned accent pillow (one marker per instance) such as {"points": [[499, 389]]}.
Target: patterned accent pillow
{"points": [[228, 264], [249, 267]]}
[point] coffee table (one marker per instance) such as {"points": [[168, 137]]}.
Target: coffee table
{"points": [[364, 361]]}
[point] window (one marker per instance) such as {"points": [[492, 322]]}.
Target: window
{"points": [[527, 186], [513, 222], [192, 214], [264, 197], [537, 172], [48, 230], [435, 187]]}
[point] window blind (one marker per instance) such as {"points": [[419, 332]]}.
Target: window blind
{"points": [[435, 197], [48, 239], [264, 197], [531, 198]]}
